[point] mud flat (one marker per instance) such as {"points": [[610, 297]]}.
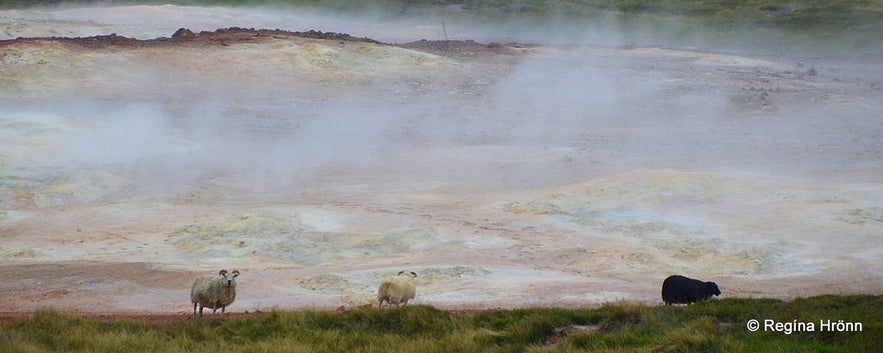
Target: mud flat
{"points": [[136, 156]]}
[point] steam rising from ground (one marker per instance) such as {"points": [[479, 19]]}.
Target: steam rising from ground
{"points": [[598, 166], [601, 114]]}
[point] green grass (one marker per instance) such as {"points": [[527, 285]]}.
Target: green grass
{"points": [[714, 326]]}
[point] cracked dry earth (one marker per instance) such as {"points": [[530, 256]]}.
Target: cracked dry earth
{"points": [[505, 175]]}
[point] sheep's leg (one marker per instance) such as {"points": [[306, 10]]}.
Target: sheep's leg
{"points": [[194, 309], [200, 310], [222, 310]]}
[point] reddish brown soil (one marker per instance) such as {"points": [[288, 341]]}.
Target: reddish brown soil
{"points": [[235, 35]]}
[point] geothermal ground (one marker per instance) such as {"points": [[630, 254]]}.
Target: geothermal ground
{"points": [[134, 157]]}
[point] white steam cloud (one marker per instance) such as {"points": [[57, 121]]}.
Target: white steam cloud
{"points": [[562, 114]]}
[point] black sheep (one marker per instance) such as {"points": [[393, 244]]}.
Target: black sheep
{"points": [[682, 290]]}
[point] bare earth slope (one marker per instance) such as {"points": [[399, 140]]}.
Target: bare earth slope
{"points": [[505, 175]]}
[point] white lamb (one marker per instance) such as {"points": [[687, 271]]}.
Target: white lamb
{"points": [[214, 292], [395, 290]]}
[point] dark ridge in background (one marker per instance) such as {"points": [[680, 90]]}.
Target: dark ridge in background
{"points": [[756, 25]]}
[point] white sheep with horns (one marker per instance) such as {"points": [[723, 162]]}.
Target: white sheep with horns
{"points": [[395, 290], [214, 292]]}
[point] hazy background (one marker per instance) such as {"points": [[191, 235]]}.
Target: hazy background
{"points": [[595, 153], [773, 26], [559, 116], [587, 101]]}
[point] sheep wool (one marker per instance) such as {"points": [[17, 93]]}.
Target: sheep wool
{"points": [[395, 290], [214, 292]]}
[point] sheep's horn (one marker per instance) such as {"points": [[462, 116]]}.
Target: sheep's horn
{"points": [[235, 273], [223, 272]]}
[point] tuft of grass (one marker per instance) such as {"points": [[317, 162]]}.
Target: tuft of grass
{"points": [[711, 326], [700, 335], [622, 317]]}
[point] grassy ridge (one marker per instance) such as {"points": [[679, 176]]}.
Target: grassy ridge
{"points": [[715, 326], [787, 13]]}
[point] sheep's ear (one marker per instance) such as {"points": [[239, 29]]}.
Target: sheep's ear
{"points": [[223, 272], [400, 273], [235, 273], [414, 274]]}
